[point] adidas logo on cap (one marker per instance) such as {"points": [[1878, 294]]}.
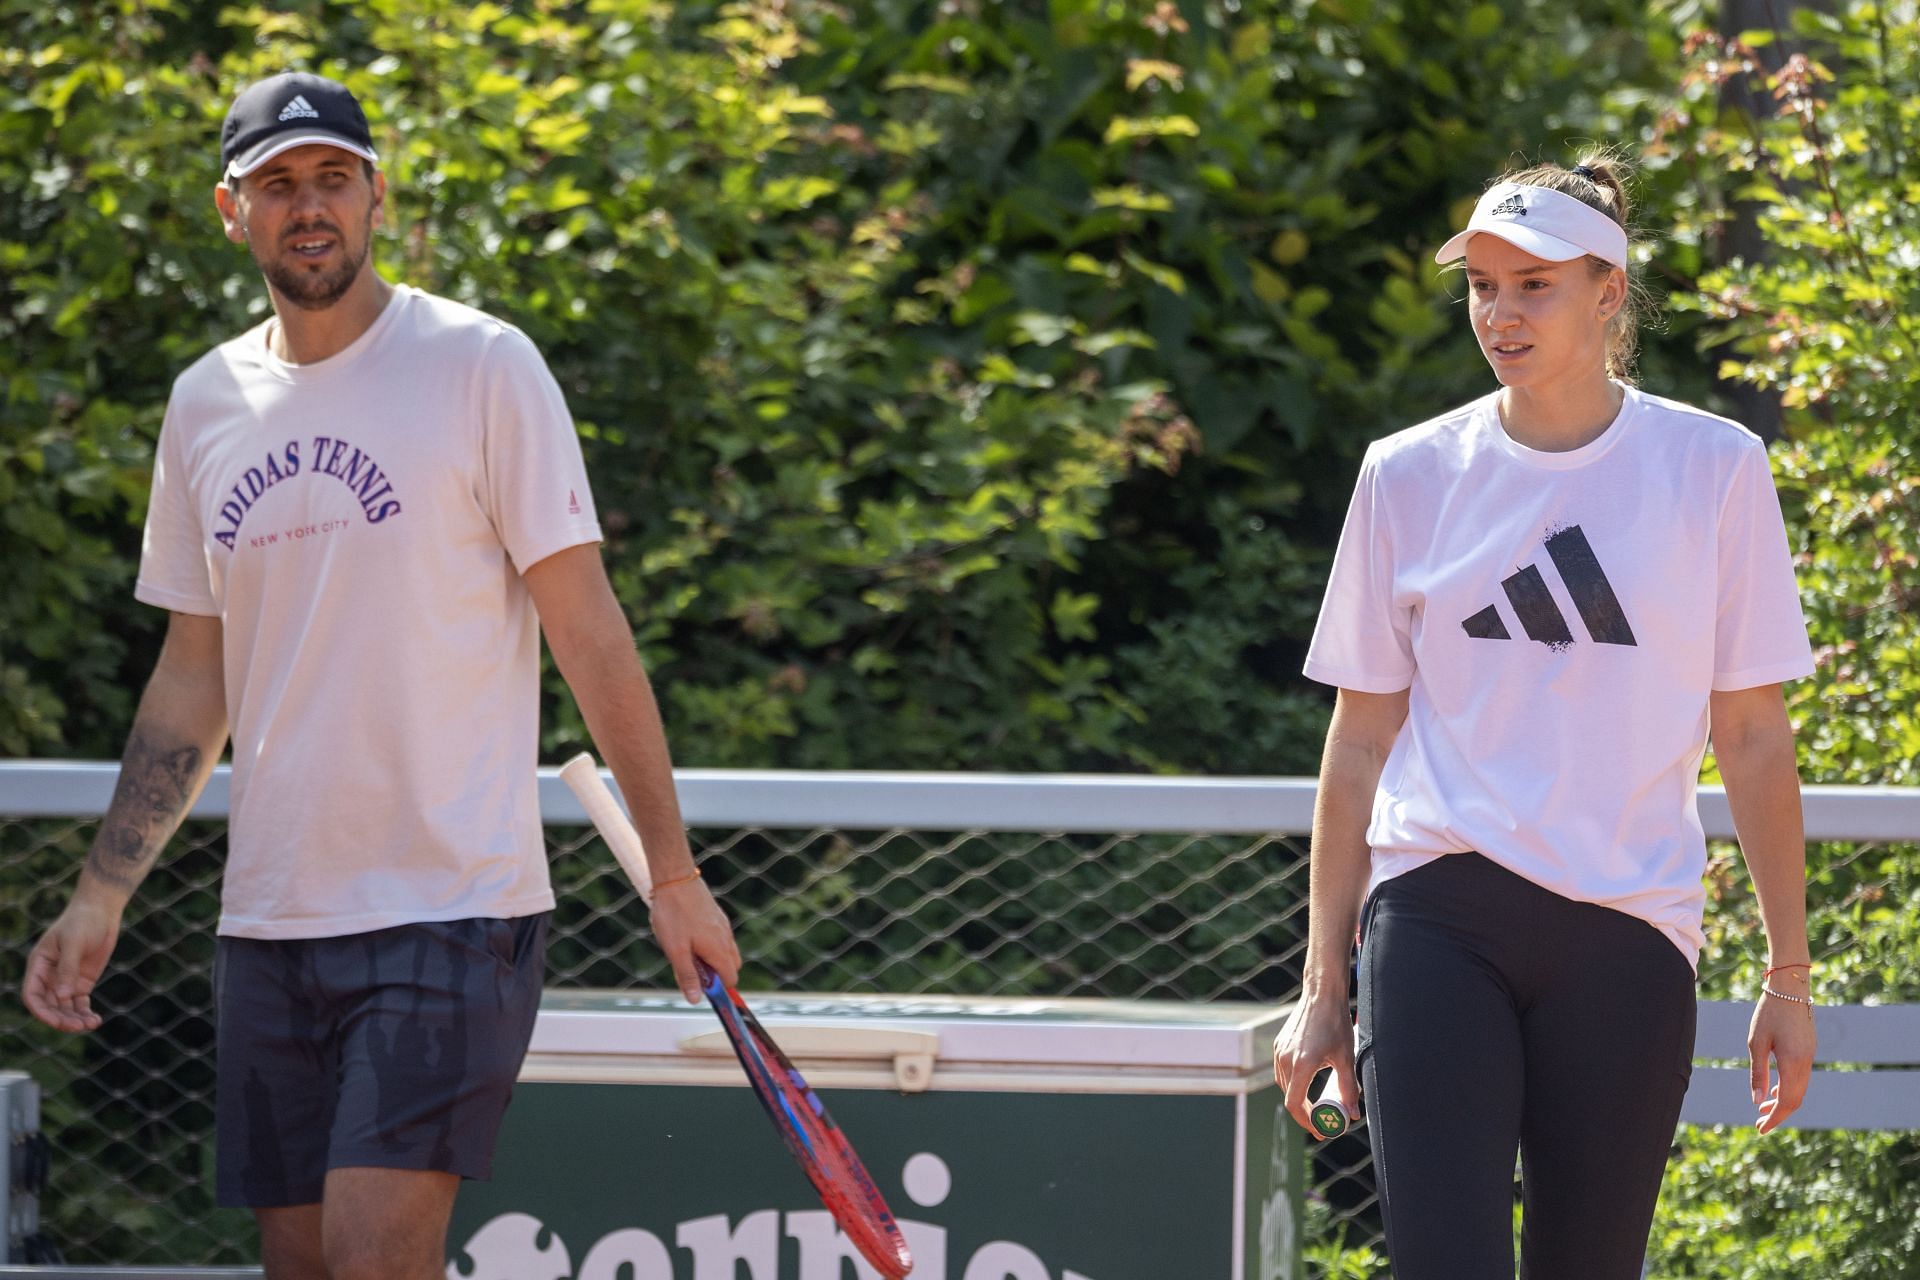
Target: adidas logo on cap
{"points": [[298, 108], [1512, 207]]}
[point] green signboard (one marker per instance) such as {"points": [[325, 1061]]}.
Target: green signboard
{"points": [[680, 1182]]}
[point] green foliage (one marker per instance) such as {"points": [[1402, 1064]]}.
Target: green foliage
{"points": [[1739, 1206], [1824, 319], [95, 250], [1827, 321], [1237, 204], [964, 385], [1327, 1254]]}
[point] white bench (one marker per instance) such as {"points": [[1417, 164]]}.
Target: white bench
{"points": [[1883, 1038]]}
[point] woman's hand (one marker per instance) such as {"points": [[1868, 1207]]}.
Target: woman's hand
{"points": [[1782, 1031], [1318, 1033]]}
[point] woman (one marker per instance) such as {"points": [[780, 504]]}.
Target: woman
{"points": [[1540, 603]]}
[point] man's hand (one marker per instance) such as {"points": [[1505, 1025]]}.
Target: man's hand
{"points": [[688, 923], [67, 962], [176, 737]]}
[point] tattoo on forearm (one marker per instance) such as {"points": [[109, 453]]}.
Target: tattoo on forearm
{"points": [[151, 797]]}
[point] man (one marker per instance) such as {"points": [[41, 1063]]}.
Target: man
{"points": [[364, 512]]}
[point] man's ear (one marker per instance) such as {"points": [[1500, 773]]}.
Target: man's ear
{"points": [[231, 217], [379, 198]]}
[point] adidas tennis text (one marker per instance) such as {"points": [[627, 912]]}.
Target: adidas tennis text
{"points": [[325, 455]]}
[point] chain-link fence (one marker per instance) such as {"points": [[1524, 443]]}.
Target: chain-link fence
{"points": [[958, 886]]}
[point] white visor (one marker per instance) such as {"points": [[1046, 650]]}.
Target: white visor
{"points": [[1547, 223], [244, 165]]}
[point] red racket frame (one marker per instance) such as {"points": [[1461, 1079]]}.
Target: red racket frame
{"points": [[818, 1146]]}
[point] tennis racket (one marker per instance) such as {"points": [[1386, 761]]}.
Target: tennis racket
{"points": [[822, 1151]]}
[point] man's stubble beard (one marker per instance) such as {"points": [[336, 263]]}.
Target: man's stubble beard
{"points": [[312, 292]]}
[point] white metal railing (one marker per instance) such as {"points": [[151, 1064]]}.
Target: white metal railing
{"points": [[878, 801]]}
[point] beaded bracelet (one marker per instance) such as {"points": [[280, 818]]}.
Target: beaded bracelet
{"points": [[668, 884], [1783, 995]]}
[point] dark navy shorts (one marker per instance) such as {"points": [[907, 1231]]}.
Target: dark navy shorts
{"points": [[395, 1049]]}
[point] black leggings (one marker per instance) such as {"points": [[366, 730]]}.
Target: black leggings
{"points": [[1497, 1016]]}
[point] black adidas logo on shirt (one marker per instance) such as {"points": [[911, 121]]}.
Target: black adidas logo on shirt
{"points": [[1512, 207], [1540, 617]]}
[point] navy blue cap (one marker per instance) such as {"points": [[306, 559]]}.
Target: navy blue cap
{"points": [[292, 109]]}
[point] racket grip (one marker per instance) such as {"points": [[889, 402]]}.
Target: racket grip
{"points": [[1331, 1115], [582, 776], [1334, 1113]]}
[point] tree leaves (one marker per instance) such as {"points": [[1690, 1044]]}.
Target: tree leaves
{"points": [[1821, 318], [887, 329]]}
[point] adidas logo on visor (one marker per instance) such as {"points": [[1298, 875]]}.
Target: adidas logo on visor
{"points": [[297, 109], [1512, 207]]}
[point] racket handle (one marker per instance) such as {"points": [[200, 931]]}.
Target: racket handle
{"points": [[582, 776], [1331, 1115]]}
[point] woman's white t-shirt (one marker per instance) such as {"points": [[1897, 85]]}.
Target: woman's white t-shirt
{"points": [[1559, 620], [360, 525]]}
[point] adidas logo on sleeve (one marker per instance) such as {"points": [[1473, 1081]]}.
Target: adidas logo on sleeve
{"points": [[298, 109]]}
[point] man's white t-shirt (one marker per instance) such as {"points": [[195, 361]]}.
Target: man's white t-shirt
{"points": [[360, 525], [1559, 620]]}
